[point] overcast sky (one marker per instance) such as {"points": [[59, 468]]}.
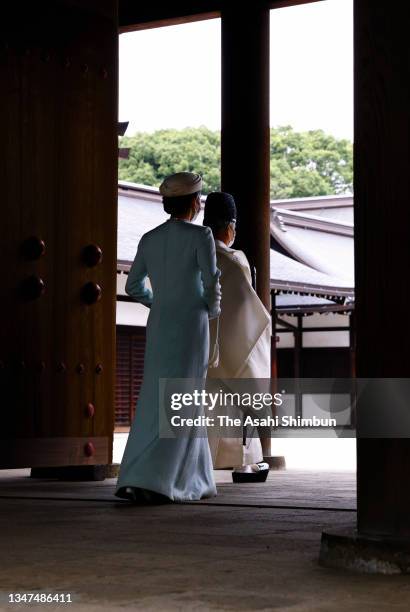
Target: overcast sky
{"points": [[170, 77]]}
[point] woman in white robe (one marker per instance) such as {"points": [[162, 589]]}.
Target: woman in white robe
{"points": [[244, 337], [179, 259]]}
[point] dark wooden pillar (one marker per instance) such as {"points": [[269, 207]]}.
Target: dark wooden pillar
{"points": [[382, 224], [274, 349], [245, 130], [245, 136], [297, 359]]}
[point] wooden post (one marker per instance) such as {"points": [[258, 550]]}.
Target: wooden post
{"points": [[382, 258], [382, 254], [245, 137], [273, 350], [245, 131], [297, 358]]}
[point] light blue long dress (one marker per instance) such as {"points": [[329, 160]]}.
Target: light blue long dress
{"points": [[179, 258]]}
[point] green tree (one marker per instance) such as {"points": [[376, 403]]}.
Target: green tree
{"points": [[154, 156], [310, 163], [302, 164]]}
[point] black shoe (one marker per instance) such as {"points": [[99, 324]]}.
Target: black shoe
{"points": [[259, 473]]}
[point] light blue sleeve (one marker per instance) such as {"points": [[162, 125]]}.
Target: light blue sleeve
{"points": [[135, 285], [210, 273]]}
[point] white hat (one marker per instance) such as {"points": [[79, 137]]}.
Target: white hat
{"points": [[180, 184]]}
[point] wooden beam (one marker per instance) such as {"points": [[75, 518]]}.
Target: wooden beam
{"points": [[135, 16], [55, 451], [288, 3], [170, 21], [143, 15]]}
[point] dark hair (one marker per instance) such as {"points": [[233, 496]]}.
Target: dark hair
{"points": [[220, 210], [218, 226], [178, 205]]}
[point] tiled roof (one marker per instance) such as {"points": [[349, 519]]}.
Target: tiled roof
{"points": [[137, 214], [322, 243], [140, 210]]}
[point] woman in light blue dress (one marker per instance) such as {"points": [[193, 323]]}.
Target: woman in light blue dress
{"points": [[179, 259]]}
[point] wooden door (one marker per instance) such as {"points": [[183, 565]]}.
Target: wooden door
{"points": [[58, 116]]}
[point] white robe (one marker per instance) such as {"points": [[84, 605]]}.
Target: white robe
{"points": [[244, 340]]}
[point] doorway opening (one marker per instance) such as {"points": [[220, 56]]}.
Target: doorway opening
{"points": [[311, 195], [170, 107], [312, 230]]}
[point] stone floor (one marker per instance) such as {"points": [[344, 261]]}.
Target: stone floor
{"points": [[254, 547]]}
